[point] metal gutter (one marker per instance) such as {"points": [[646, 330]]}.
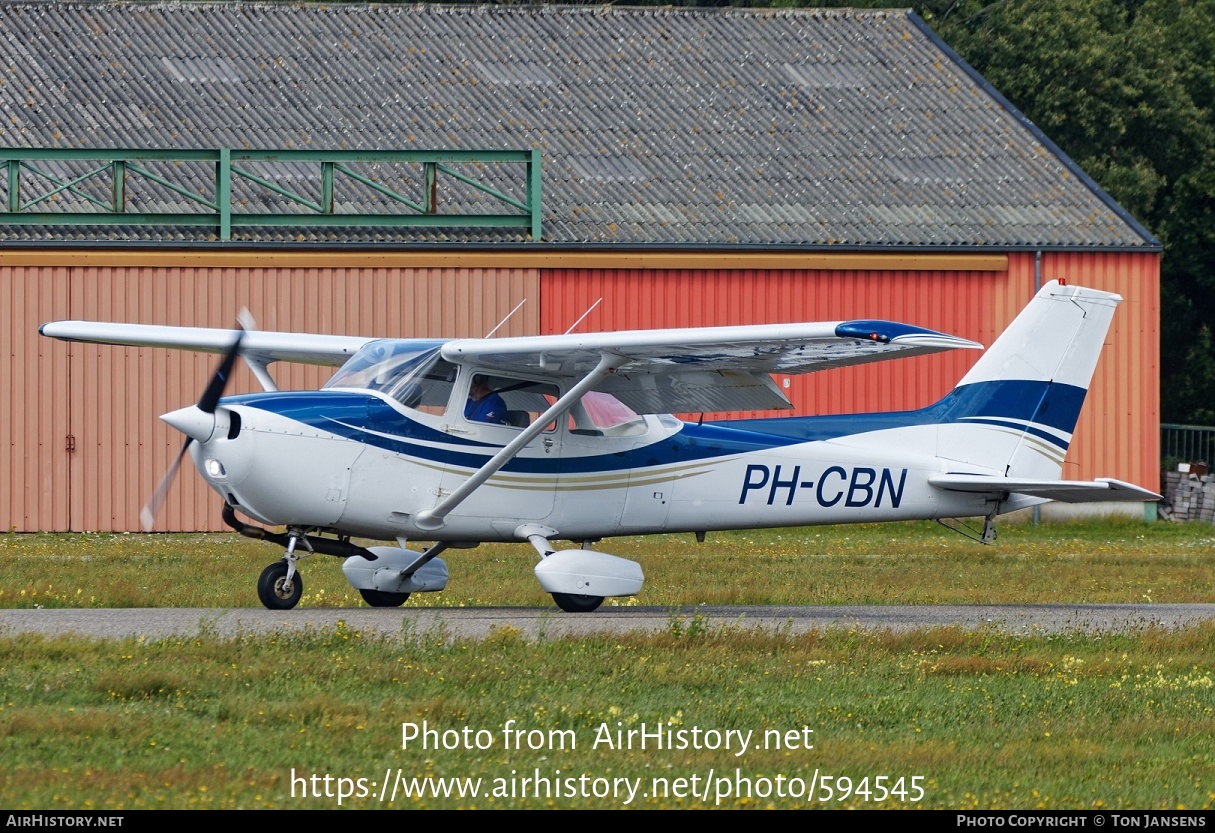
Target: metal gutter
{"points": [[514, 245], [498, 259]]}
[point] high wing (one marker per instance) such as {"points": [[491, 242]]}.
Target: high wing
{"points": [[685, 370], [708, 368], [259, 348]]}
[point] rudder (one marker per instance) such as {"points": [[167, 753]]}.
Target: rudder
{"points": [[1014, 412]]}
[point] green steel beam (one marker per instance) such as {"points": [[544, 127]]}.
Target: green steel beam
{"points": [[484, 188], [119, 176], [327, 187], [534, 181], [121, 163], [430, 188], [223, 192], [64, 186], [391, 220], [443, 156], [281, 155], [277, 189], [172, 186], [130, 218], [107, 154], [82, 218], [86, 218], [375, 186], [14, 185]]}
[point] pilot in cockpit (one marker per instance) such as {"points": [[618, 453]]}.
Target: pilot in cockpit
{"points": [[483, 404]]}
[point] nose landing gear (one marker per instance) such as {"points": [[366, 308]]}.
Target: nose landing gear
{"points": [[280, 586]]}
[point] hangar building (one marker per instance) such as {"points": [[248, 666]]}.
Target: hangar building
{"points": [[695, 167]]}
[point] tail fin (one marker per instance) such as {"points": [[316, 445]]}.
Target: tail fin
{"points": [[1014, 413]]}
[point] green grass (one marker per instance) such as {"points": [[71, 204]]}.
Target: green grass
{"points": [[910, 563], [986, 720]]}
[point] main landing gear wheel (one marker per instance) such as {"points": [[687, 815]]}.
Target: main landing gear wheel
{"points": [[573, 603], [378, 598], [273, 590]]}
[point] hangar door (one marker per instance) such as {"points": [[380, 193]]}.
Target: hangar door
{"points": [[35, 419]]}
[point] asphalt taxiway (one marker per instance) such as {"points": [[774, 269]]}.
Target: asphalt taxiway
{"points": [[540, 623]]}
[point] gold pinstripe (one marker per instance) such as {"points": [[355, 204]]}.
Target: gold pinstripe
{"points": [[1044, 448], [612, 480]]}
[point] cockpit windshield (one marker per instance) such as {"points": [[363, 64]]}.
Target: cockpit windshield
{"points": [[411, 372]]}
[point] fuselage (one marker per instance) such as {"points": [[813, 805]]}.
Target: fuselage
{"points": [[362, 463]]}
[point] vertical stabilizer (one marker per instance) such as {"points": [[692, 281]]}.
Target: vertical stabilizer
{"points": [[1014, 413]]}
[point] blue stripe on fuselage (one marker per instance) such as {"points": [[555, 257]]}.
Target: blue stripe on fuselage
{"points": [[323, 409], [1053, 405], [354, 416]]}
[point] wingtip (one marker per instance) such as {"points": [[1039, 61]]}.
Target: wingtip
{"points": [[940, 341]]}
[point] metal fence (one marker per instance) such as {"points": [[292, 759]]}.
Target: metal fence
{"points": [[1187, 444]]}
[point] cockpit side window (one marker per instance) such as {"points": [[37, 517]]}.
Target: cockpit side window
{"points": [[525, 399]]}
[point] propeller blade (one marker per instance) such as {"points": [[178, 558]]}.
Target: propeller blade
{"points": [[147, 515], [207, 403], [245, 319], [210, 398]]}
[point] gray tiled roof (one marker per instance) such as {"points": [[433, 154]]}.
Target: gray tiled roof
{"points": [[658, 126]]}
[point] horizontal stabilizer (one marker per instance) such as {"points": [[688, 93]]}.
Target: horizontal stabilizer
{"points": [[1068, 491]]}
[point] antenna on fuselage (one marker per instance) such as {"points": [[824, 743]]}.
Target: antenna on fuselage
{"points": [[490, 334], [589, 310]]}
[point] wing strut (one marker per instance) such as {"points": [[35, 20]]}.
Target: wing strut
{"points": [[260, 373], [258, 366], [432, 519]]}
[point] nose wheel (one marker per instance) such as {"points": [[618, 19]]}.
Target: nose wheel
{"points": [[280, 586], [276, 590]]}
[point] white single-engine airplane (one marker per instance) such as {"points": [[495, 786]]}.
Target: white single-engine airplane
{"points": [[581, 447]]}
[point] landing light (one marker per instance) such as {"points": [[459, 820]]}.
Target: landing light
{"points": [[215, 468]]}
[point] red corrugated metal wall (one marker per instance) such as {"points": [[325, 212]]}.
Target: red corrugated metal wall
{"points": [[108, 398], [956, 302], [1119, 430]]}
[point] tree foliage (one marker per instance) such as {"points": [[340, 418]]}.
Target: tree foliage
{"points": [[1127, 89]]}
